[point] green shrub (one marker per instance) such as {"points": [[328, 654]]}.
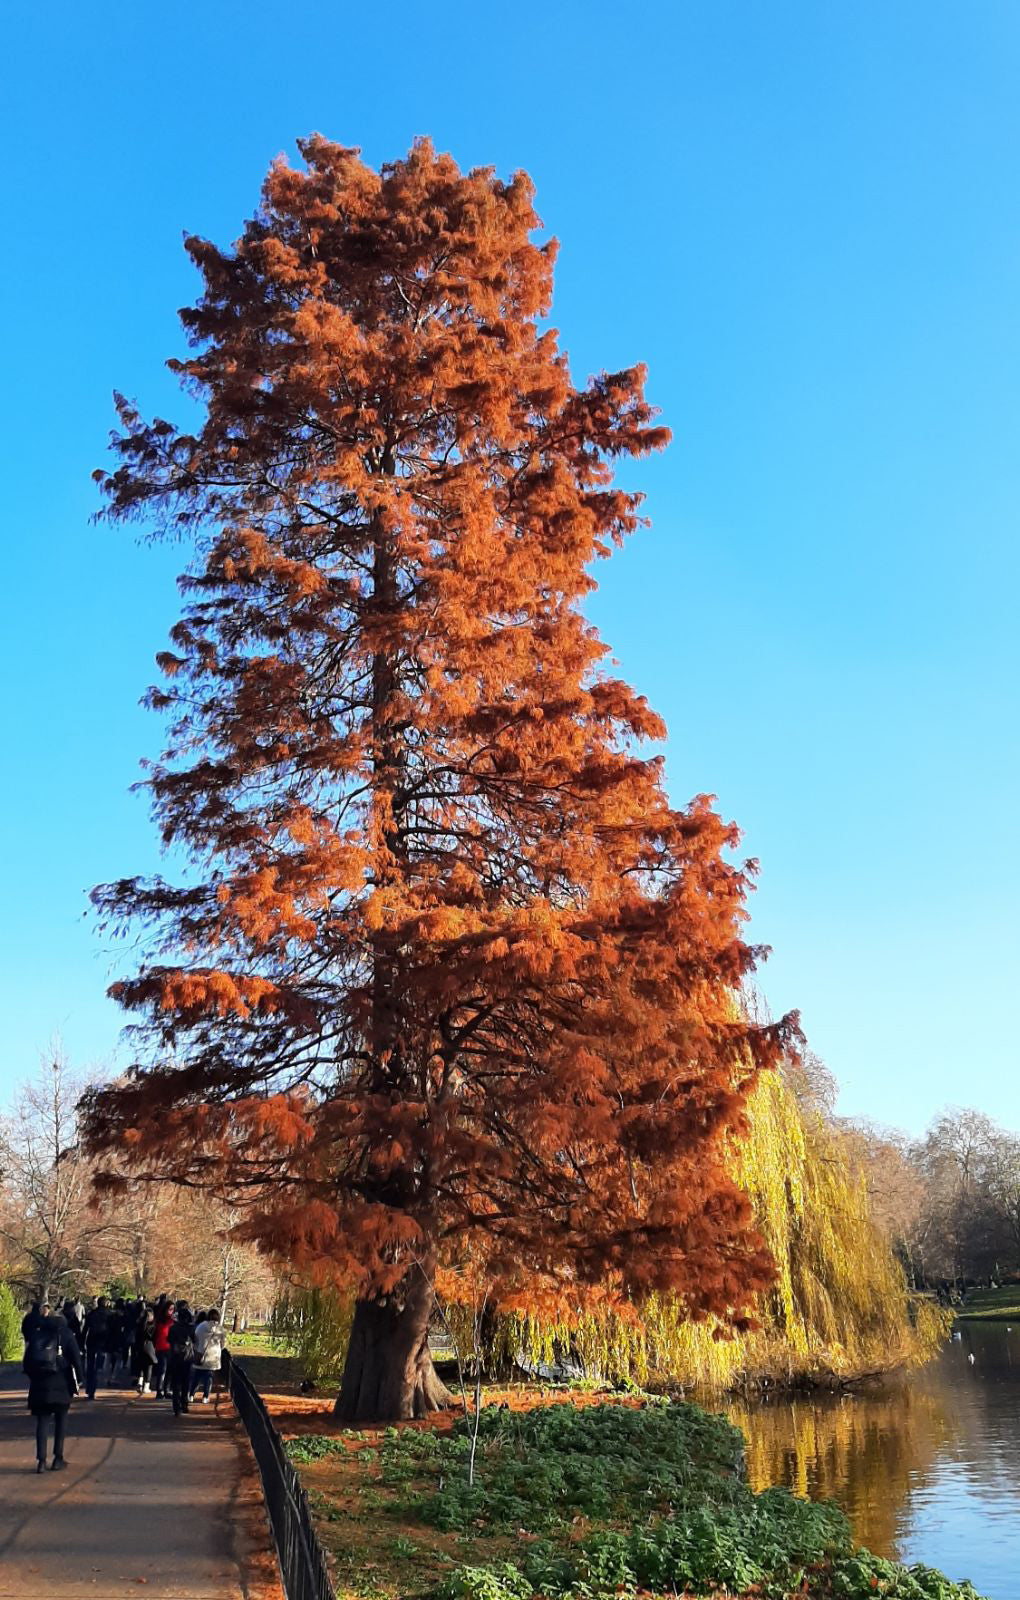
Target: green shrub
{"points": [[10, 1326]]}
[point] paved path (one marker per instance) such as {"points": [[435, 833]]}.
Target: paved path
{"points": [[146, 1507]]}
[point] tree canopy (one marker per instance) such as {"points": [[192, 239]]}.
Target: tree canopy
{"points": [[447, 973]]}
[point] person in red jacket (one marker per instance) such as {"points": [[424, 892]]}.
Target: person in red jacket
{"points": [[161, 1343]]}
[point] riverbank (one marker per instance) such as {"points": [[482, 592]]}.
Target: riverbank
{"points": [[992, 1305], [756, 1366], [572, 1494]]}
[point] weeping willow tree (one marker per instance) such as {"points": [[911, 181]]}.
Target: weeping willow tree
{"points": [[840, 1306], [315, 1325]]}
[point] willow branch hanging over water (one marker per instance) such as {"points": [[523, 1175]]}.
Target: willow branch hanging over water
{"points": [[840, 1307]]}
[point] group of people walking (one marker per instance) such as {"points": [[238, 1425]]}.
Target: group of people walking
{"points": [[160, 1347]]}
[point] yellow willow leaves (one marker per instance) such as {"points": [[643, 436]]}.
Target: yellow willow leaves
{"points": [[839, 1305]]}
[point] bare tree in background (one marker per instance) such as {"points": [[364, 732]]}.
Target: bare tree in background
{"points": [[949, 1201], [246, 1279], [1004, 1182], [896, 1190], [178, 1240], [47, 1233], [58, 1237]]}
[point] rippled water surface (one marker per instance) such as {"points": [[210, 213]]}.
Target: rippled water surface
{"points": [[927, 1468]]}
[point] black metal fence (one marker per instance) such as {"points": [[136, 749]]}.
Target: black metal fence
{"points": [[302, 1563]]}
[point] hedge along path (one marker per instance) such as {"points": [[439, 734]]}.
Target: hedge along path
{"points": [[169, 1508]]}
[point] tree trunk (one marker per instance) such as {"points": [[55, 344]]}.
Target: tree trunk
{"points": [[388, 1374]]}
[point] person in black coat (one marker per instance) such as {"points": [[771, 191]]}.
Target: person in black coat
{"points": [[182, 1354], [96, 1322], [134, 1320], [143, 1351], [53, 1367], [30, 1319], [70, 1316], [114, 1340]]}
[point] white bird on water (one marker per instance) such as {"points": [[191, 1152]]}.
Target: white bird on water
{"points": [[970, 1358]]}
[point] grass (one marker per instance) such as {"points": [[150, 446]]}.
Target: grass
{"points": [[269, 1362], [271, 1371], [257, 1339], [591, 1501], [992, 1305]]}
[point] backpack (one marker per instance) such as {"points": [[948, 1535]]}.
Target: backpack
{"points": [[182, 1345], [42, 1355], [212, 1347], [96, 1324]]}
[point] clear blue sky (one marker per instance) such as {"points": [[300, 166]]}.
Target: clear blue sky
{"points": [[806, 219]]}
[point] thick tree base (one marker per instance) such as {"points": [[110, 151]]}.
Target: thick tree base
{"points": [[388, 1374]]}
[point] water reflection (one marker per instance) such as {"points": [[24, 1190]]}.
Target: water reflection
{"points": [[860, 1450], [927, 1467]]}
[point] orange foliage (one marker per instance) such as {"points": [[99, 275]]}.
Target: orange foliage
{"points": [[450, 972]]}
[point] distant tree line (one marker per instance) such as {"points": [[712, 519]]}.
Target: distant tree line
{"points": [[949, 1201], [59, 1239]]}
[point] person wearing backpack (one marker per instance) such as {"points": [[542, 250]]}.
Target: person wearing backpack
{"points": [[96, 1327], [182, 1355], [52, 1365], [208, 1355]]}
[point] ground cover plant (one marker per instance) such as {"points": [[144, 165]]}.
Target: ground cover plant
{"points": [[580, 1500]]}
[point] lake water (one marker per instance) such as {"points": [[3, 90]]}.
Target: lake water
{"points": [[927, 1467]]}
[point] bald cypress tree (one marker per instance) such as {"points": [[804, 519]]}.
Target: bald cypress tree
{"points": [[448, 972]]}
